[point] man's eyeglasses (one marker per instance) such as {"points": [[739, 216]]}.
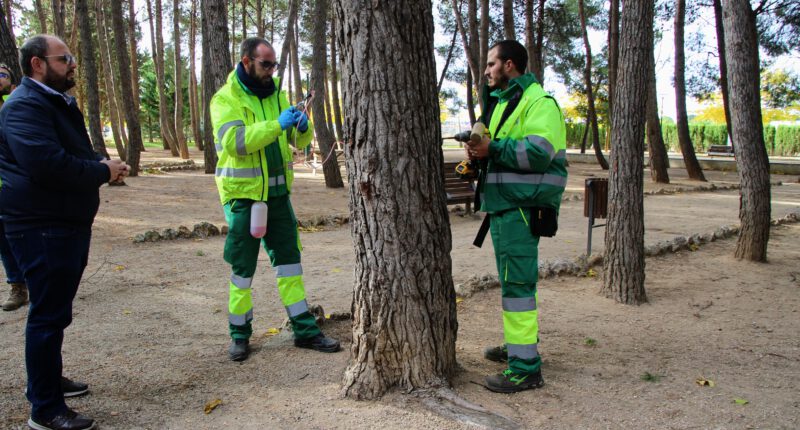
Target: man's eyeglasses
{"points": [[4, 75], [266, 64], [65, 58]]}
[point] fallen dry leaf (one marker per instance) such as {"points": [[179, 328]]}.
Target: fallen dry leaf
{"points": [[271, 332], [119, 268], [210, 406], [704, 382]]}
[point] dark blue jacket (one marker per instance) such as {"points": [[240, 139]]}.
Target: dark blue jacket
{"points": [[50, 173]]}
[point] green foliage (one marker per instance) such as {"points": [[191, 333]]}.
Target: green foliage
{"points": [[575, 135], [649, 377], [779, 140]]}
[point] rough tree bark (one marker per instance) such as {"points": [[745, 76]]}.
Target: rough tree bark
{"points": [[741, 40], [587, 78], [115, 77], [7, 13], [295, 59], [484, 45], [108, 71], [723, 67], [131, 114], [687, 149], [404, 314], [659, 161], [509, 32], [8, 49], [41, 14], [180, 137], [89, 71], [216, 66], [325, 140], [287, 40], [623, 265], [58, 8]]}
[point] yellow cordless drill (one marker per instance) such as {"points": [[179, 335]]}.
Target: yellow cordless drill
{"points": [[468, 169]]}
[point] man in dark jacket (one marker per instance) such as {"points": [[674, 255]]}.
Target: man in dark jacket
{"points": [[49, 198]]}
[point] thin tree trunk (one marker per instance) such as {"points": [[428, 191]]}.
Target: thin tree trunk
{"points": [[587, 77], [288, 39], [470, 100], [89, 72], [59, 18], [244, 19], [404, 312], [447, 62], [131, 113], [613, 52], [337, 108], [469, 40], [484, 44], [134, 55], [194, 109], [7, 11], [41, 13], [741, 41], [180, 138], [260, 27], [216, 66], [298, 80], [623, 265], [115, 78], [234, 55], [330, 168], [107, 70], [509, 31], [723, 67], [165, 117], [687, 149], [585, 134], [659, 160], [165, 140]]}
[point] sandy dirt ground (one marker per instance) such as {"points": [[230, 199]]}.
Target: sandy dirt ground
{"points": [[150, 326]]}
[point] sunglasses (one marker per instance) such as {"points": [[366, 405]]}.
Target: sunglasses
{"points": [[266, 64], [65, 58]]}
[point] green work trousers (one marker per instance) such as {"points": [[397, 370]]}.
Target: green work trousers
{"points": [[283, 247], [516, 251]]}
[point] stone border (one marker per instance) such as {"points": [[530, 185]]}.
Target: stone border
{"points": [[581, 265], [158, 167]]}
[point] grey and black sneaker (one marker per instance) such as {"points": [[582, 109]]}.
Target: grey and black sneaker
{"points": [[239, 349], [510, 382], [73, 388], [69, 420], [496, 353]]}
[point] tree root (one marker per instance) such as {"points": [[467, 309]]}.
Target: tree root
{"points": [[447, 403]]}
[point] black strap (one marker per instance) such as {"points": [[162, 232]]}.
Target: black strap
{"points": [[484, 228]]}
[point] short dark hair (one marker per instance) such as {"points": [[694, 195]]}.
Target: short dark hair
{"points": [[36, 46], [249, 46], [514, 51]]}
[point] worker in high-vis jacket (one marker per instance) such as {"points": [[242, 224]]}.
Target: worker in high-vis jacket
{"points": [[253, 126], [522, 178]]}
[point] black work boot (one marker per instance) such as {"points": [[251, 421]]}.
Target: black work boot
{"points": [[510, 382], [17, 298], [239, 349], [69, 420], [73, 388], [496, 353], [319, 343]]}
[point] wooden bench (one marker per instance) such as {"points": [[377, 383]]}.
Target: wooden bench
{"points": [[458, 190], [722, 150]]}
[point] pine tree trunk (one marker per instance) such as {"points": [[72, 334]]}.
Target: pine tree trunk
{"points": [[134, 55], [89, 72], [687, 149], [59, 18], [41, 14], [509, 31], [470, 100], [8, 49], [244, 19], [741, 40], [295, 59], [404, 312], [260, 24], [107, 71], [7, 14], [587, 77], [337, 108], [164, 115], [180, 138], [613, 51], [216, 66], [623, 264], [164, 132], [131, 113], [659, 160], [287, 40], [484, 44], [115, 77], [723, 67], [194, 109], [325, 140]]}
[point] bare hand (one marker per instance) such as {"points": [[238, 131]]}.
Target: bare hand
{"points": [[117, 169], [480, 150]]}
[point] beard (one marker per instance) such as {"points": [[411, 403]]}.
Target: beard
{"points": [[61, 84], [6, 90], [251, 71]]}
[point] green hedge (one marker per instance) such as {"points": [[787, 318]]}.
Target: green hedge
{"points": [[575, 135], [783, 140]]}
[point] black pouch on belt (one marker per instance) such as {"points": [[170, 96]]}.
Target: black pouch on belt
{"points": [[544, 221]]}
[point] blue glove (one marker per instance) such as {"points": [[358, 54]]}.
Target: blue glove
{"points": [[287, 118], [301, 120]]}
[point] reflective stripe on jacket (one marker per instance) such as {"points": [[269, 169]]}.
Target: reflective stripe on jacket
{"points": [[527, 155], [243, 126]]}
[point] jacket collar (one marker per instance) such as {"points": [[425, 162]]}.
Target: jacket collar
{"points": [[518, 84]]}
